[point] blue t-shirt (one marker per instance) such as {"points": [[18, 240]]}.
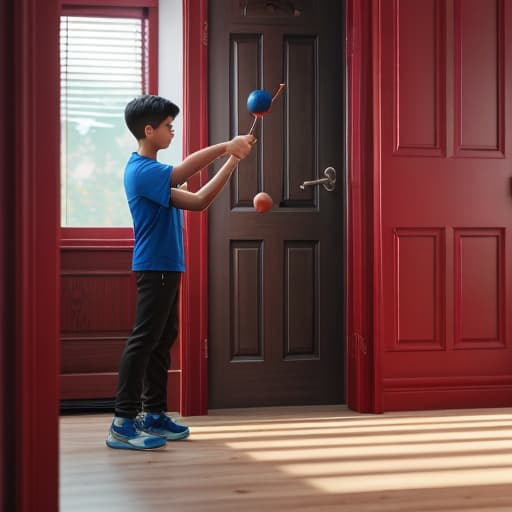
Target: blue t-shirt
{"points": [[157, 226]]}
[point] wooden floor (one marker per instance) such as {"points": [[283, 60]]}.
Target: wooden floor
{"points": [[297, 459]]}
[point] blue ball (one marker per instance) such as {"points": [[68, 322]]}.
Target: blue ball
{"points": [[259, 101]]}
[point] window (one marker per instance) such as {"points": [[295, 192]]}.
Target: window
{"points": [[104, 64]]}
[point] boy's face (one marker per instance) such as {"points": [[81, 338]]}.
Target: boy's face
{"points": [[161, 136]]}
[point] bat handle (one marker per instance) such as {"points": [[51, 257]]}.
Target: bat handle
{"points": [[253, 125]]}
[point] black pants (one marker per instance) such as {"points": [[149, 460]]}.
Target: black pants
{"points": [[146, 357]]}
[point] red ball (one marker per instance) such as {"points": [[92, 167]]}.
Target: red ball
{"points": [[262, 202]]}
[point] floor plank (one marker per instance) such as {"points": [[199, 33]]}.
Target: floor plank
{"points": [[297, 459]]}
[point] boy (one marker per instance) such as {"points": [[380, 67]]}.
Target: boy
{"points": [[156, 199]]}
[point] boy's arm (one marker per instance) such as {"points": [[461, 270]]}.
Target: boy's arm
{"points": [[239, 147], [200, 200]]}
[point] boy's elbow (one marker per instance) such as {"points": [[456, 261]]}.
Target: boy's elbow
{"points": [[199, 204], [203, 202]]}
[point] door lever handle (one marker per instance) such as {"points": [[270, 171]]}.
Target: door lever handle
{"points": [[329, 182]]}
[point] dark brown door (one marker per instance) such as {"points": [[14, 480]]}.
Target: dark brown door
{"points": [[276, 314]]}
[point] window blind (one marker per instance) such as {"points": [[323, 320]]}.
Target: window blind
{"points": [[103, 66]]}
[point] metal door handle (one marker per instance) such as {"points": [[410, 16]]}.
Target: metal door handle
{"points": [[329, 182]]}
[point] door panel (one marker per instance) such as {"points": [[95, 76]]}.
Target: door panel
{"points": [[446, 203], [275, 279]]}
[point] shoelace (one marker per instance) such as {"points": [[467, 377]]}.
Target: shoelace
{"points": [[160, 421], [129, 429], [165, 421], [141, 417], [171, 425], [139, 421]]}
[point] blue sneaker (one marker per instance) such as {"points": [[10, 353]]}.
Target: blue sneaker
{"points": [[162, 425], [125, 434]]}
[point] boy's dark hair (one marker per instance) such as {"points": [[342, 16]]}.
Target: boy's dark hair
{"points": [[148, 109]]}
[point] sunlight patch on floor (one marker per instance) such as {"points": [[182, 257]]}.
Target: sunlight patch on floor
{"points": [[420, 480], [337, 438], [373, 422], [358, 456], [369, 450], [395, 466]]}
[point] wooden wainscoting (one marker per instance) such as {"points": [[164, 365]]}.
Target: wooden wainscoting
{"points": [[97, 310]]}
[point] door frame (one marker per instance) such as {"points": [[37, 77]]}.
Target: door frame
{"points": [[362, 277], [194, 292], [30, 316], [362, 269]]}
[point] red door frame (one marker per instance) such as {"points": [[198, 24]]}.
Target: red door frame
{"points": [[375, 229], [194, 297], [363, 246], [29, 343], [362, 212], [363, 208]]}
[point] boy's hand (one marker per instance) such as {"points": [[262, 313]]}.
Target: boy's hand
{"points": [[241, 145]]}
